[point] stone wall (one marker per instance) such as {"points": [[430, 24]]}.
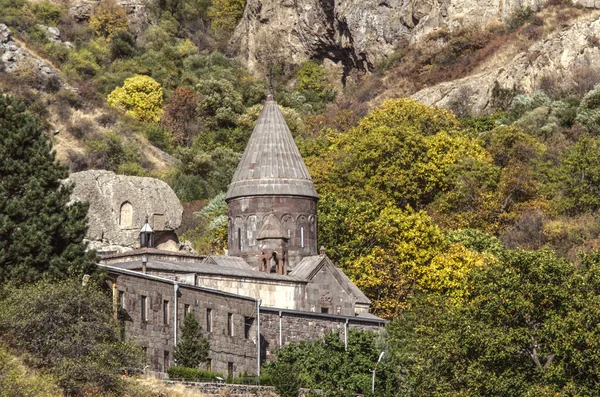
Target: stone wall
{"points": [[248, 214], [275, 293], [233, 342], [296, 327], [157, 336]]}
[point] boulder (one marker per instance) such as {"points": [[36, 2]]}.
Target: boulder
{"points": [[120, 204]]}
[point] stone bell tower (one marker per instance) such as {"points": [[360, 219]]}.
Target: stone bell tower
{"points": [[272, 199]]}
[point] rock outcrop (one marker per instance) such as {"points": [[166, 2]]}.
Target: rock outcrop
{"points": [[16, 59], [119, 206], [356, 33], [561, 59]]}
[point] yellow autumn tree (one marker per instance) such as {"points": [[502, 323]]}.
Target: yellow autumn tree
{"points": [[140, 96], [225, 14], [108, 18]]}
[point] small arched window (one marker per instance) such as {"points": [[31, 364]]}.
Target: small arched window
{"points": [[301, 236], [126, 215]]}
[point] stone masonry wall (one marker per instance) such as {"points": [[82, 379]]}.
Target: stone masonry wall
{"points": [[235, 349], [294, 213]]}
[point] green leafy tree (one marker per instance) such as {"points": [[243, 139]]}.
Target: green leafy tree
{"points": [[69, 330], [313, 81], [528, 327], [140, 96], [325, 364], [193, 347], [578, 177], [41, 232]]}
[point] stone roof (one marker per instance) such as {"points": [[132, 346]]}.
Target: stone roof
{"points": [[271, 163], [227, 261], [206, 269], [309, 266]]}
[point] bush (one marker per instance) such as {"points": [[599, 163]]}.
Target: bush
{"points": [[588, 113], [68, 329], [81, 127], [108, 18], [140, 96], [47, 13], [160, 138], [110, 151], [180, 372]]}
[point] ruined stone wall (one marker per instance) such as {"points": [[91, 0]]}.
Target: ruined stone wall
{"points": [[298, 216]]}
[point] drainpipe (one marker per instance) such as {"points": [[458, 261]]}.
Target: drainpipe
{"points": [[258, 337], [346, 335], [280, 333], [175, 289], [115, 293]]}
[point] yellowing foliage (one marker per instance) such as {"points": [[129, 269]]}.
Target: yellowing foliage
{"points": [[108, 18], [140, 96]]}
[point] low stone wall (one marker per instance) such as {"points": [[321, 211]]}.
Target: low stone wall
{"points": [[223, 390]]}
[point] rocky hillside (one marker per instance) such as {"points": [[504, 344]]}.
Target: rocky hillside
{"points": [[355, 33]]}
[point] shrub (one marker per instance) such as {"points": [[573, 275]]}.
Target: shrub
{"points": [[160, 138], [68, 329], [108, 18], [140, 96], [180, 372], [122, 45], [47, 13], [81, 127], [110, 151], [588, 113]]}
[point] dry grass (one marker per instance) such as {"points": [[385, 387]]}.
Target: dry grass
{"points": [[152, 387]]}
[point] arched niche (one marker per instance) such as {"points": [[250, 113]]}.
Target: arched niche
{"points": [[126, 215], [252, 227], [287, 221]]}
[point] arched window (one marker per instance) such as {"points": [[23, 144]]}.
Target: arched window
{"points": [[239, 238], [301, 236], [126, 215]]}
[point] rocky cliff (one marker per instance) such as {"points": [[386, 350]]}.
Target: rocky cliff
{"points": [[356, 33], [562, 61]]}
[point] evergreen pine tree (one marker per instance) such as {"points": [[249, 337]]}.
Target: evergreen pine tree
{"points": [[192, 349], [41, 233]]}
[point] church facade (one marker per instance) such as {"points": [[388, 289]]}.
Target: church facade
{"points": [[274, 287]]}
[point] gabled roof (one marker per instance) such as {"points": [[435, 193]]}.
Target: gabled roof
{"points": [[271, 163], [271, 229], [206, 268], [309, 267], [227, 261]]}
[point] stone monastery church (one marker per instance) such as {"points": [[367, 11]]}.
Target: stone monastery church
{"points": [[274, 287]]}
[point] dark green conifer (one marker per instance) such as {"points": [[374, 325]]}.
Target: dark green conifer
{"points": [[192, 349], [40, 232]]}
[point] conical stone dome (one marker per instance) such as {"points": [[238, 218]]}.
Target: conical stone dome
{"points": [[271, 164]]}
